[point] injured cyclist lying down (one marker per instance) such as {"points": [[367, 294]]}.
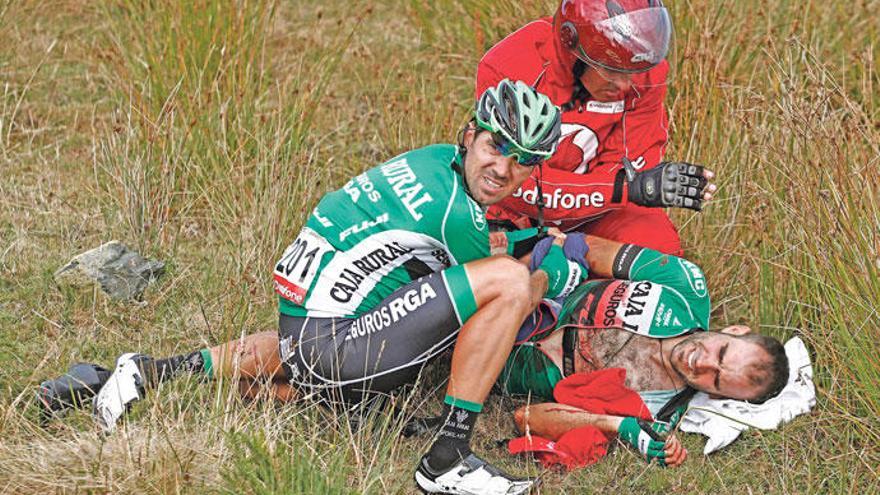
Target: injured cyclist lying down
{"points": [[646, 313]]}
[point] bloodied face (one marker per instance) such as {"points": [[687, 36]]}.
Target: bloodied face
{"points": [[723, 364]]}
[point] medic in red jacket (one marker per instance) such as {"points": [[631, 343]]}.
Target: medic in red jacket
{"points": [[603, 63]]}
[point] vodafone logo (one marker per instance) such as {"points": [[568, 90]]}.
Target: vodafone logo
{"points": [[559, 199], [288, 290], [584, 138]]}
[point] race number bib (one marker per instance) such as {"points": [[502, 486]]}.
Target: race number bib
{"points": [[298, 266]]}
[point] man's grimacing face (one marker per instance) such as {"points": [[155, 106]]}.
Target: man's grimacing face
{"points": [[490, 176], [720, 363]]}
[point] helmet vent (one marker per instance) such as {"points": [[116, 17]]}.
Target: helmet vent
{"points": [[539, 129], [511, 111]]}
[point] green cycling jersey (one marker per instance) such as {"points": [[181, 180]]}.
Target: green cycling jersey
{"points": [[392, 224]]}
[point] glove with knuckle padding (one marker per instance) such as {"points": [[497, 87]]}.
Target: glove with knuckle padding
{"points": [[678, 184]]}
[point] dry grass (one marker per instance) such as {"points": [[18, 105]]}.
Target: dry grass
{"points": [[204, 132]]}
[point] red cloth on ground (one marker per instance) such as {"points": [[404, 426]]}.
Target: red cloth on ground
{"points": [[599, 392]]}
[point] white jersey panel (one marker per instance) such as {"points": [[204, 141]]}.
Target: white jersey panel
{"points": [[350, 276]]}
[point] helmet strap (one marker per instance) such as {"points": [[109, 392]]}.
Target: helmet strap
{"points": [[462, 152], [460, 138], [540, 200]]}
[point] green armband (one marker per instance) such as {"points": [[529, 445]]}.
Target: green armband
{"points": [[643, 439], [563, 275], [521, 242]]}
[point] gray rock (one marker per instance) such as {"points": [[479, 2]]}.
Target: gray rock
{"points": [[122, 273]]}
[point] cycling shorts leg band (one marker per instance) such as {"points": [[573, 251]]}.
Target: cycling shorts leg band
{"points": [[458, 286]]}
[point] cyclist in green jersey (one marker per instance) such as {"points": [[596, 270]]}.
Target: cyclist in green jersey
{"points": [[387, 273], [647, 313]]}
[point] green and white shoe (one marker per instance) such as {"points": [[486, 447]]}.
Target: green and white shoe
{"points": [[470, 476]]}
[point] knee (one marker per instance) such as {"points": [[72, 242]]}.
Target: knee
{"points": [[511, 278], [246, 356], [255, 353]]}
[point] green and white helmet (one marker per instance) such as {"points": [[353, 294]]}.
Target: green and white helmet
{"points": [[527, 119]]}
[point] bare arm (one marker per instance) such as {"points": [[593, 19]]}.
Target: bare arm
{"points": [[551, 420], [601, 256]]}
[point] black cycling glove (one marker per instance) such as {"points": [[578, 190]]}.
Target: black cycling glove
{"points": [[678, 184]]}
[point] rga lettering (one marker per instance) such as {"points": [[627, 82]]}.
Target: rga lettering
{"points": [[398, 308], [351, 277], [558, 199], [613, 302], [403, 181], [366, 224]]}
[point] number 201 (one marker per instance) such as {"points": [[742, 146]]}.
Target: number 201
{"points": [[297, 254]]}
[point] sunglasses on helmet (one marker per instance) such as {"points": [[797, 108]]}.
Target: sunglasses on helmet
{"points": [[507, 148]]}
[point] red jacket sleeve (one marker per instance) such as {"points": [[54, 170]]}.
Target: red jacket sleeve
{"points": [[520, 56]]}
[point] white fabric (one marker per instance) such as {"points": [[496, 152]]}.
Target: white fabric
{"points": [[120, 390], [798, 397]]}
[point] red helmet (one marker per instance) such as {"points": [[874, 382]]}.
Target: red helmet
{"points": [[619, 35]]}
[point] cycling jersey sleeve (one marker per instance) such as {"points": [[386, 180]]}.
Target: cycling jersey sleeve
{"points": [[677, 274], [464, 229]]}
